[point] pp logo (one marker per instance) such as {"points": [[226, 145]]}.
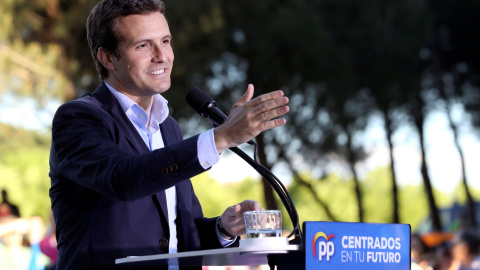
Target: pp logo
{"points": [[325, 248]]}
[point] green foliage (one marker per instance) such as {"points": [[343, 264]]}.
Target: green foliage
{"points": [[28, 68], [461, 197], [413, 206], [216, 197], [24, 170], [335, 191], [38, 48]]}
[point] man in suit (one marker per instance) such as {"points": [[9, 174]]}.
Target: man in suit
{"points": [[119, 165]]}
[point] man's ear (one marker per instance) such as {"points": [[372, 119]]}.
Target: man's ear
{"points": [[105, 58]]}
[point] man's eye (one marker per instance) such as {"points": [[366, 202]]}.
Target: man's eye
{"points": [[142, 46]]}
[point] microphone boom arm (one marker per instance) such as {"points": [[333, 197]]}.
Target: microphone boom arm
{"points": [[206, 107], [279, 188]]}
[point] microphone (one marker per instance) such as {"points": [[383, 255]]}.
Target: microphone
{"points": [[204, 105]]}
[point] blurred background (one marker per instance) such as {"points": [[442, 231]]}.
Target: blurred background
{"points": [[384, 121]]}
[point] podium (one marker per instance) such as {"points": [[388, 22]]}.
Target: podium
{"points": [[282, 256], [326, 245]]}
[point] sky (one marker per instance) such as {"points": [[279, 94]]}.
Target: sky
{"points": [[442, 156], [21, 112]]}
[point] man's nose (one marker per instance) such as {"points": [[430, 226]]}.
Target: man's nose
{"points": [[158, 54]]}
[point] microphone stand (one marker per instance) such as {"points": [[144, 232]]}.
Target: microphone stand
{"points": [[208, 109], [279, 188]]}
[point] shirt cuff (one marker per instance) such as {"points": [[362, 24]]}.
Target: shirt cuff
{"points": [[224, 242], [207, 151]]}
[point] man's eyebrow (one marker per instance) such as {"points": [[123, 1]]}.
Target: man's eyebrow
{"points": [[135, 42]]}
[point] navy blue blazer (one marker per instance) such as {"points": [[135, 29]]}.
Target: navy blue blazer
{"points": [[108, 189]]}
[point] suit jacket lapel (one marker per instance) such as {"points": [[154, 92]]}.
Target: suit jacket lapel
{"points": [[112, 106]]}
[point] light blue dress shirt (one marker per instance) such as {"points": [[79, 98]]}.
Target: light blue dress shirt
{"points": [[207, 152]]}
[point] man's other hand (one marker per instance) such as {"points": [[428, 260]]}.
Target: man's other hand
{"points": [[232, 219]]}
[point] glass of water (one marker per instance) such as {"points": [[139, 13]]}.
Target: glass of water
{"points": [[263, 223]]}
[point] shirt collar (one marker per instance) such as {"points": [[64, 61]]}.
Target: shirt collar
{"points": [[159, 111]]}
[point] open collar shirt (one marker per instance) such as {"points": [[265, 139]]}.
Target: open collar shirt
{"points": [[207, 152]]}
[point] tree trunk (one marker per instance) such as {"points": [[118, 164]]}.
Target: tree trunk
{"points": [[470, 202], [388, 128], [419, 121], [351, 163], [267, 189], [308, 184]]}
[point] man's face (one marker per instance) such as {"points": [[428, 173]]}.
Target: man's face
{"points": [[146, 56]]}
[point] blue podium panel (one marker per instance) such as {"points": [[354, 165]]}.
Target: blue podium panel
{"points": [[345, 245]]}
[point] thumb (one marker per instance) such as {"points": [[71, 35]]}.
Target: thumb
{"points": [[245, 97]]}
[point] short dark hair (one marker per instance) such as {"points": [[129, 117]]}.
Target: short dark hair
{"points": [[101, 24]]}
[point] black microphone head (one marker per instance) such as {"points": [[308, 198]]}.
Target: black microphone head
{"points": [[198, 100]]}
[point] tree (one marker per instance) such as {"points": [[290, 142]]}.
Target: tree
{"points": [[24, 170], [29, 67], [331, 77], [454, 68], [391, 66], [339, 61], [418, 112]]}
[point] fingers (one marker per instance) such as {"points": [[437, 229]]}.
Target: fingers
{"points": [[233, 220], [263, 102], [266, 97], [249, 117], [239, 208], [267, 107], [273, 124], [265, 117], [262, 221], [245, 97], [250, 205], [247, 205], [271, 109]]}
